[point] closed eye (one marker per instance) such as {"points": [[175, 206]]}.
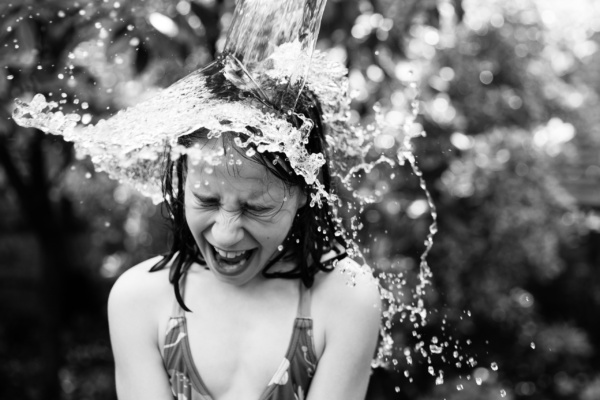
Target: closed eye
{"points": [[254, 209], [206, 201], [207, 204]]}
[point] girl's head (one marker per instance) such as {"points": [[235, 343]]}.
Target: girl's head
{"points": [[238, 212], [249, 215]]}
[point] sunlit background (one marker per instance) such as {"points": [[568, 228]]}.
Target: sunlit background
{"points": [[509, 100]]}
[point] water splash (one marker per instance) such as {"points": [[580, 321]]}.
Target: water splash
{"points": [[137, 159], [251, 41], [132, 145]]}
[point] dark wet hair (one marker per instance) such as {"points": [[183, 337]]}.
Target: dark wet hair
{"points": [[312, 233]]}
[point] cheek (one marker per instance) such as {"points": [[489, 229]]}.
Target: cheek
{"points": [[195, 219], [283, 224]]}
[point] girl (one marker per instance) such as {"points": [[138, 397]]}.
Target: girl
{"points": [[257, 310]]}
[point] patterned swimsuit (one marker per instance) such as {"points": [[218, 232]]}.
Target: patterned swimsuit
{"points": [[290, 382]]}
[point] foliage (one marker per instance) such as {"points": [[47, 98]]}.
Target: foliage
{"points": [[508, 96]]}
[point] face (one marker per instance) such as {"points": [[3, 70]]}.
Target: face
{"points": [[238, 214]]}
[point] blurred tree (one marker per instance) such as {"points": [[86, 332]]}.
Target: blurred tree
{"points": [[509, 92], [505, 99]]}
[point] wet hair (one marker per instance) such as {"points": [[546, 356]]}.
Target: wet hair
{"points": [[312, 232]]}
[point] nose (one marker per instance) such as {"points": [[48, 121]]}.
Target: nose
{"points": [[227, 229]]}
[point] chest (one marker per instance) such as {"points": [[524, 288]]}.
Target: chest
{"points": [[242, 348], [238, 344]]}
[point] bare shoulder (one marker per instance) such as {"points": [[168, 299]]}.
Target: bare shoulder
{"points": [[350, 289], [139, 302], [347, 310], [139, 290], [138, 280]]}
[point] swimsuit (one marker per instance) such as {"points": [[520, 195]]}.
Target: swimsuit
{"points": [[290, 382]]}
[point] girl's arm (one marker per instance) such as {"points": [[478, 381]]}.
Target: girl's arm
{"points": [[352, 321], [133, 315]]}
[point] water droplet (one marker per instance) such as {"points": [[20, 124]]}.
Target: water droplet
{"points": [[280, 247], [61, 14], [10, 77], [494, 366], [435, 349], [397, 389], [502, 392], [439, 380], [88, 175], [107, 224], [532, 345]]}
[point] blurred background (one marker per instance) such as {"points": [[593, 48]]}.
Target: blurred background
{"points": [[509, 100]]}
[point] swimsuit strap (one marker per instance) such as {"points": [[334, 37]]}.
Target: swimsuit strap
{"points": [[304, 303]]}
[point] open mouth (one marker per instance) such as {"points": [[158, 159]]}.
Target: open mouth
{"points": [[231, 262]]}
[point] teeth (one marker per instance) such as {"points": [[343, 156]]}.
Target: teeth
{"points": [[229, 254]]}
